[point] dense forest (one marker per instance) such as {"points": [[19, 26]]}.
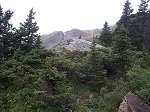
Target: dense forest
{"points": [[34, 79]]}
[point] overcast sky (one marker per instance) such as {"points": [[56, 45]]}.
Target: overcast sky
{"points": [[62, 15]]}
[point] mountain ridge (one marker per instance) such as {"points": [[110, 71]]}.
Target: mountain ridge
{"points": [[54, 38], [61, 38]]}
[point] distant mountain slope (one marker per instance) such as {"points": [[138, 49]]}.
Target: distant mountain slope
{"points": [[85, 34], [76, 33], [53, 39]]}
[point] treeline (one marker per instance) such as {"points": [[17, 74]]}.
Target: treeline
{"points": [[33, 79]]}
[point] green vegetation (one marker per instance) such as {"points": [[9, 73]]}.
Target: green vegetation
{"points": [[33, 79]]}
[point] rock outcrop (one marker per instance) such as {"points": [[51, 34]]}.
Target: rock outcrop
{"points": [[133, 103], [75, 45]]}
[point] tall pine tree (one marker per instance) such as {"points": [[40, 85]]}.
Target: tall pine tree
{"points": [[127, 11], [143, 7], [142, 15], [121, 52], [143, 18], [28, 32], [6, 34], [106, 36], [92, 67]]}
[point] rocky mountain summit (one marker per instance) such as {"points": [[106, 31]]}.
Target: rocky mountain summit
{"points": [[69, 40], [53, 39]]}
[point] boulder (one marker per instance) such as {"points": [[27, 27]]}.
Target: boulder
{"points": [[133, 103]]}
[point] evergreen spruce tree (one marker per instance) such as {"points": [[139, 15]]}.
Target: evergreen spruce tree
{"points": [[143, 7], [5, 34], [143, 18], [121, 52], [142, 15], [106, 36], [28, 32], [92, 67], [127, 11], [94, 61]]}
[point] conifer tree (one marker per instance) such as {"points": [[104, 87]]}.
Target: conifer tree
{"points": [[94, 61], [121, 51], [127, 11], [106, 36], [5, 34], [143, 7], [143, 20], [142, 14], [28, 32], [92, 67]]}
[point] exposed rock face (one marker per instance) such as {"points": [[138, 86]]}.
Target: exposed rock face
{"points": [[52, 39], [75, 45], [124, 107], [133, 103]]}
